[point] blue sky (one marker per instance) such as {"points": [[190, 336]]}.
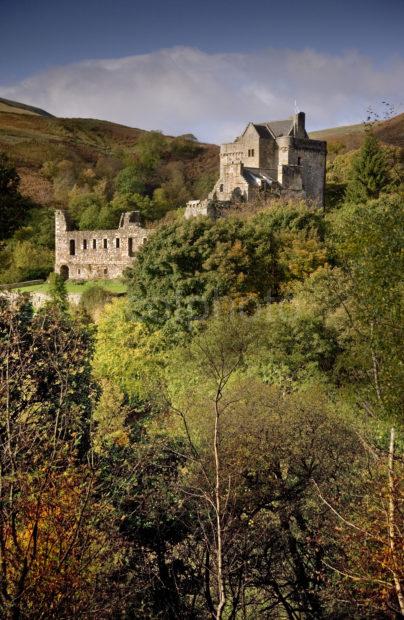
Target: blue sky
{"points": [[73, 58]]}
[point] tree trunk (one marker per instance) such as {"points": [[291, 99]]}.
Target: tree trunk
{"points": [[392, 524], [218, 506]]}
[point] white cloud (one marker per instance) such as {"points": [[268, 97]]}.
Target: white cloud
{"points": [[213, 95]]}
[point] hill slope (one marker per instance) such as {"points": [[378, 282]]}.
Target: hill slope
{"points": [[351, 136], [31, 137], [6, 105]]}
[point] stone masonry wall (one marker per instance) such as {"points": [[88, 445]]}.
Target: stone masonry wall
{"points": [[309, 156], [92, 254]]}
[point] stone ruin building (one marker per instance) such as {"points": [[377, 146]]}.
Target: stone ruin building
{"points": [[92, 254], [275, 157]]}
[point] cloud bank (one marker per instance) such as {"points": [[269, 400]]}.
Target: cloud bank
{"points": [[183, 89]]}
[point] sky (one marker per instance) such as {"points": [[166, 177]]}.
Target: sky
{"points": [[204, 67]]}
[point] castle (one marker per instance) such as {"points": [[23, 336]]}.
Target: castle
{"points": [[275, 157], [92, 254]]}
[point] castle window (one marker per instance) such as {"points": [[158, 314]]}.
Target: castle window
{"points": [[105, 244], [94, 244], [221, 188], [117, 240], [72, 247], [78, 272], [130, 246], [84, 244], [299, 161], [250, 152], [105, 271]]}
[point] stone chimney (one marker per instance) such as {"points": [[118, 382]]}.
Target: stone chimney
{"points": [[299, 122]]}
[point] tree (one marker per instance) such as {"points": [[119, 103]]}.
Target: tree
{"points": [[127, 353], [368, 241], [12, 204], [58, 292], [130, 181], [253, 452], [369, 172], [150, 148], [54, 552], [185, 268], [25, 260]]}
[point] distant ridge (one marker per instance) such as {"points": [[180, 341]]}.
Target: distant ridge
{"points": [[22, 108]]}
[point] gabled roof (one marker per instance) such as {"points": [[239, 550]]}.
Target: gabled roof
{"points": [[274, 128], [262, 130]]}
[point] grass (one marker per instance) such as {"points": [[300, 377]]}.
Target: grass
{"points": [[113, 286]]}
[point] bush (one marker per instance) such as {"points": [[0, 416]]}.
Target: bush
{"points": [[93, 300]]}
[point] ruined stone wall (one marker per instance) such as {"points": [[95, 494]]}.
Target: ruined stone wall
{"points": [[92, 254]]}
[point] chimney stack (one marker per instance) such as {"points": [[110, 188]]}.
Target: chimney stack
{"points": [[299, 122]]}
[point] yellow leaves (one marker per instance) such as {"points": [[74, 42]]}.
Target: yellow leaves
{"points": [[301, 254]]}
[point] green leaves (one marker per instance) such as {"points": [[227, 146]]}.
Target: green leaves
{"points": [[369, 172]]}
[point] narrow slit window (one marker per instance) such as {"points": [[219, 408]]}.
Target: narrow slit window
{"points": [[105, 244], [84, 244], [94, 244], [117, 242], [299, 161], [72, 247], [130, 246]]}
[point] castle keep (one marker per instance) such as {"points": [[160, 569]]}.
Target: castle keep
{"points": [[275, 157], [91, 254]]}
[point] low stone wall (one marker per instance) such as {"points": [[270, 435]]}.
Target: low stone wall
{"points": [[39, 299]]}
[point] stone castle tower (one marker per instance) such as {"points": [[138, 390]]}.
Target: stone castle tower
{"points": [[274, 157], [92, 254]]}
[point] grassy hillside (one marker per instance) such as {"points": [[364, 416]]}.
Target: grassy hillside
{"points": [[351, 136], [31, 140], [6, 105]]}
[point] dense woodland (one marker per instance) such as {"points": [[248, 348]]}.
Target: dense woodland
{"points": [[226, 441]]}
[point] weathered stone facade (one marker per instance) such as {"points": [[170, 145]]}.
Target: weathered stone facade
{"points": [[92, 254], [276, 157]]}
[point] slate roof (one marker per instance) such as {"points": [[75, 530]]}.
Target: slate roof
{"points": [[278, 128], [262, 130]]}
